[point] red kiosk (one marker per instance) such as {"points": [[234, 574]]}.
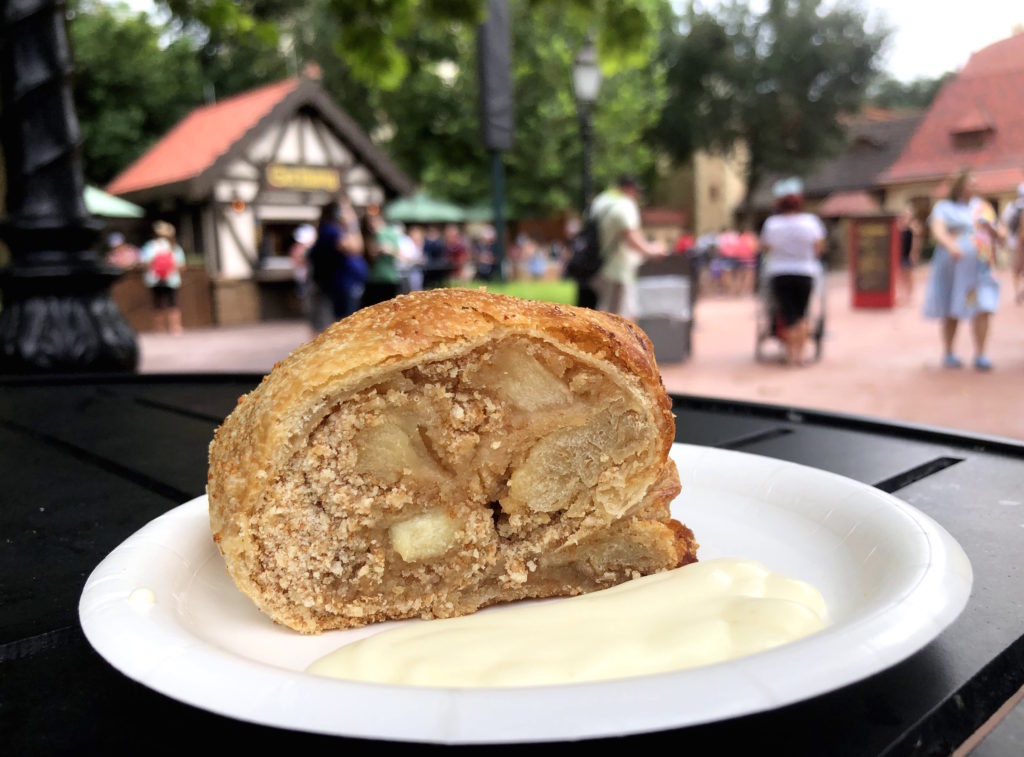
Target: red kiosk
{"points": [[874, 260]]}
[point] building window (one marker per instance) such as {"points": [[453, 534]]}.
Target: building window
{"points": [[864, 144], [971, 140]]}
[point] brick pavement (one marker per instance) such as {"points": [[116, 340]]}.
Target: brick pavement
{"points": [[877, 363], [883, 363]]}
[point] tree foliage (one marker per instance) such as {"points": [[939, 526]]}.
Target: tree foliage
{"points": [[373, 35], [406, 70], [436, 117], [129, 89], [918, 94], [776, 81], [430, 124], [237, 43]]}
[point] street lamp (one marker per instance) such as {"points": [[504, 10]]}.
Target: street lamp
{"points": [[586, 82]]}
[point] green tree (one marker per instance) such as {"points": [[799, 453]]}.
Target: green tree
{"points": [[129, 89], [776, 82], [406, 71], [311, 34], [372, 35], [435, 118], [136, 76], [237, 43], [886, 92], [430, 123]]}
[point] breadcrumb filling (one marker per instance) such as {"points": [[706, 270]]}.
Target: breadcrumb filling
{"points": [[455, 484]]}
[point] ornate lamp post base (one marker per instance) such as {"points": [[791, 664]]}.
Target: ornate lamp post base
{"points": [[57, 312], [62, 321]]}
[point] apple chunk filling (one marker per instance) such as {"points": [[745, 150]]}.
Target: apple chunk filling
{"points": [[439, 488], [573, 465], [389, 452], [522, 380], [424, 536]]}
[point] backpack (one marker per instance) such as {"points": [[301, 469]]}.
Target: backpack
{"points": [[325, 259], [586, 259], [163, 264]]}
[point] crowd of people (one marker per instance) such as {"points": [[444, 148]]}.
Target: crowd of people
{"points": [[348, 261], [787, 255], [727, 259], [355, 262]]}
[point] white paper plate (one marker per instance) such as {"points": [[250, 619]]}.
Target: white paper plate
{"points": [[892, 578]]}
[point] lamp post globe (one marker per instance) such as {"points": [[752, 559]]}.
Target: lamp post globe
{"points": [[586, 74]]}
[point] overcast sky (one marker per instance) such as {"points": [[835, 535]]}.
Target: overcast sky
{"points": [[932, 36], [929, 37]]}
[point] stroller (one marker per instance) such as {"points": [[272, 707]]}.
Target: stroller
{"points": [[768, 324]]}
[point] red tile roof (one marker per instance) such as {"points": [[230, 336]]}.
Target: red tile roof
{"points": [[989, 182], [972, 119], [200, 138], [987, 94]]}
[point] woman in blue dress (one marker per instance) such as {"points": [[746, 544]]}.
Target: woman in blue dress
{"points": [[960, 282]]}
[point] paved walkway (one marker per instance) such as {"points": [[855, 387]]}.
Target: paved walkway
{"points": [[883, 363], [880, 363]]}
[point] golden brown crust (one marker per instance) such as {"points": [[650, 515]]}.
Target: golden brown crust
{"points": [[271, 423]]}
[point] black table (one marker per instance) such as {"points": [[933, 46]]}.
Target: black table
{"points": [[85, 462]]}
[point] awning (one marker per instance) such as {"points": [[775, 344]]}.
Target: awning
{"points": [[483, 212], [847, 204], [99, 203], [422, 208]]}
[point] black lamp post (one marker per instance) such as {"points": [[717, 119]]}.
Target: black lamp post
{"points": [[586, 83], [494, 61], [57, 312]]}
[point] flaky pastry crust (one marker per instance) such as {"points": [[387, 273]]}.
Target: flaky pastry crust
{"points": [[375, 364]]}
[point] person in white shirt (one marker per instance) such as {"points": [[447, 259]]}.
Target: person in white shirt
{"points": [[793, 242], [410, 258], [623, 246]]}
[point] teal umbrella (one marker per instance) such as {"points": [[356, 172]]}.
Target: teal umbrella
{"points": [[483, 212], [422, 208], [99, 203]]}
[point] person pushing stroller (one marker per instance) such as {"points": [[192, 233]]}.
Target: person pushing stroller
{"points": [[793, 242]]}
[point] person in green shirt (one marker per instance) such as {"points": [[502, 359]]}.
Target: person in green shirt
{"points": [[384, 281], [623, 246]]}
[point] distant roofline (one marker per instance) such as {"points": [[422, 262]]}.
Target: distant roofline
{"points": [[295, 93], [125, 184]]}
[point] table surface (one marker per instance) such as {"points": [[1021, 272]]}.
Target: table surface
{"points": [[85, 462]]}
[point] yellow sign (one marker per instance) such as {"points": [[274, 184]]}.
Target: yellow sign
{"points": [[303, 178]]}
